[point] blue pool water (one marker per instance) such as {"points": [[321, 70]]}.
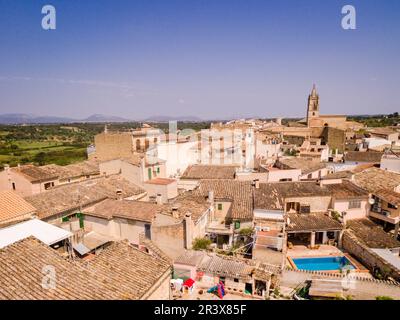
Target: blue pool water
{"points": [[326, 263]]}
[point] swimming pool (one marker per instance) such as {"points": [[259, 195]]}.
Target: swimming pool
{"points": [[323, 264]]}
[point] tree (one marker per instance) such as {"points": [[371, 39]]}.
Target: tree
{"points": [[201, 243], [40, 158], [383, 298]]}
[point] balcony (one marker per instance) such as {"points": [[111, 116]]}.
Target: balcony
{"points": [[219, 227], [384, 215]]}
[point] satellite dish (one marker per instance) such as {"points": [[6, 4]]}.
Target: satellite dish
{"points": [[371, 201]]}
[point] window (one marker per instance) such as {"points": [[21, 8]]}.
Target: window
{"points": [[158, 169], [147, 231], [48, 185], [13, 186], [305, 209], [149, 173], [354, 204], [220, 206], [391, 206], [236, 280]]}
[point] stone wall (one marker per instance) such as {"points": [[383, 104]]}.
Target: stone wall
{"points": [[161, 289], [334, 138], [113, 145], [169, 238], [369, 258]]}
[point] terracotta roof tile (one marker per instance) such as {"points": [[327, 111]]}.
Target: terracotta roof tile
{"points": [[210, 172], [239, 192], [271, 196], [129, 209], [12, 207], [118, 272], [312, 222], [67, 197], [371, 234]]}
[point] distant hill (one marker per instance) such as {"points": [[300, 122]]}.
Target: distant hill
{"points": [[104, 118], [171, 118], [22, 118]]}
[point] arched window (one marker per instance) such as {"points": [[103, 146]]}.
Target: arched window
{"points": [[146, 143], [137, 144]]}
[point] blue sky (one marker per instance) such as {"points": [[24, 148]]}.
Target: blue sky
{"points": [[206, 58]]}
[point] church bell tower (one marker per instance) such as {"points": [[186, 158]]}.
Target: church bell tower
{"points": [[313, 105]]}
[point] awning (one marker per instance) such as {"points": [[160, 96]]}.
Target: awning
{"points": [[43, 231]]}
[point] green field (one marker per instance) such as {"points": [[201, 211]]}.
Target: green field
{"points": [[44, 144], [60, 144]]}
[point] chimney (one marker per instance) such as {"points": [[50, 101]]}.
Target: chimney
{"points": [[257, 183], [211, 196], [175, 213], [143, 163], [159, 198], [188, 230], [119, 194]]}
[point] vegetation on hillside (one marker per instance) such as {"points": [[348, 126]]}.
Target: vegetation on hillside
{"points": [[61, 144]]}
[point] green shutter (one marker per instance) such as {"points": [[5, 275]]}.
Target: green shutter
{"points": [[80, 216], [237, 224], [219, 206]]}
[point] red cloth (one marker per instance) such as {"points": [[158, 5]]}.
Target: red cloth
{"points": [[189, 283]]}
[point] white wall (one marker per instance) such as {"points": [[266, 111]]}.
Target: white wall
{"points": [[391, 164], [178, 156]]}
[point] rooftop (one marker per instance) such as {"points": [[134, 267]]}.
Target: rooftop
{"points": [[239, 192], [366, 156], [186, 203], [84, 168], [45, 232], [67, 197], [383, 130], [13, 207], [312, 222], [52, 171], [36, 174], [346, 190], [374, 179], [118, 272], [306, 165], [212, 263], [198, 171], [271, 196], [129, 209], [389, 196], [371, 234], [160, 181]]}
